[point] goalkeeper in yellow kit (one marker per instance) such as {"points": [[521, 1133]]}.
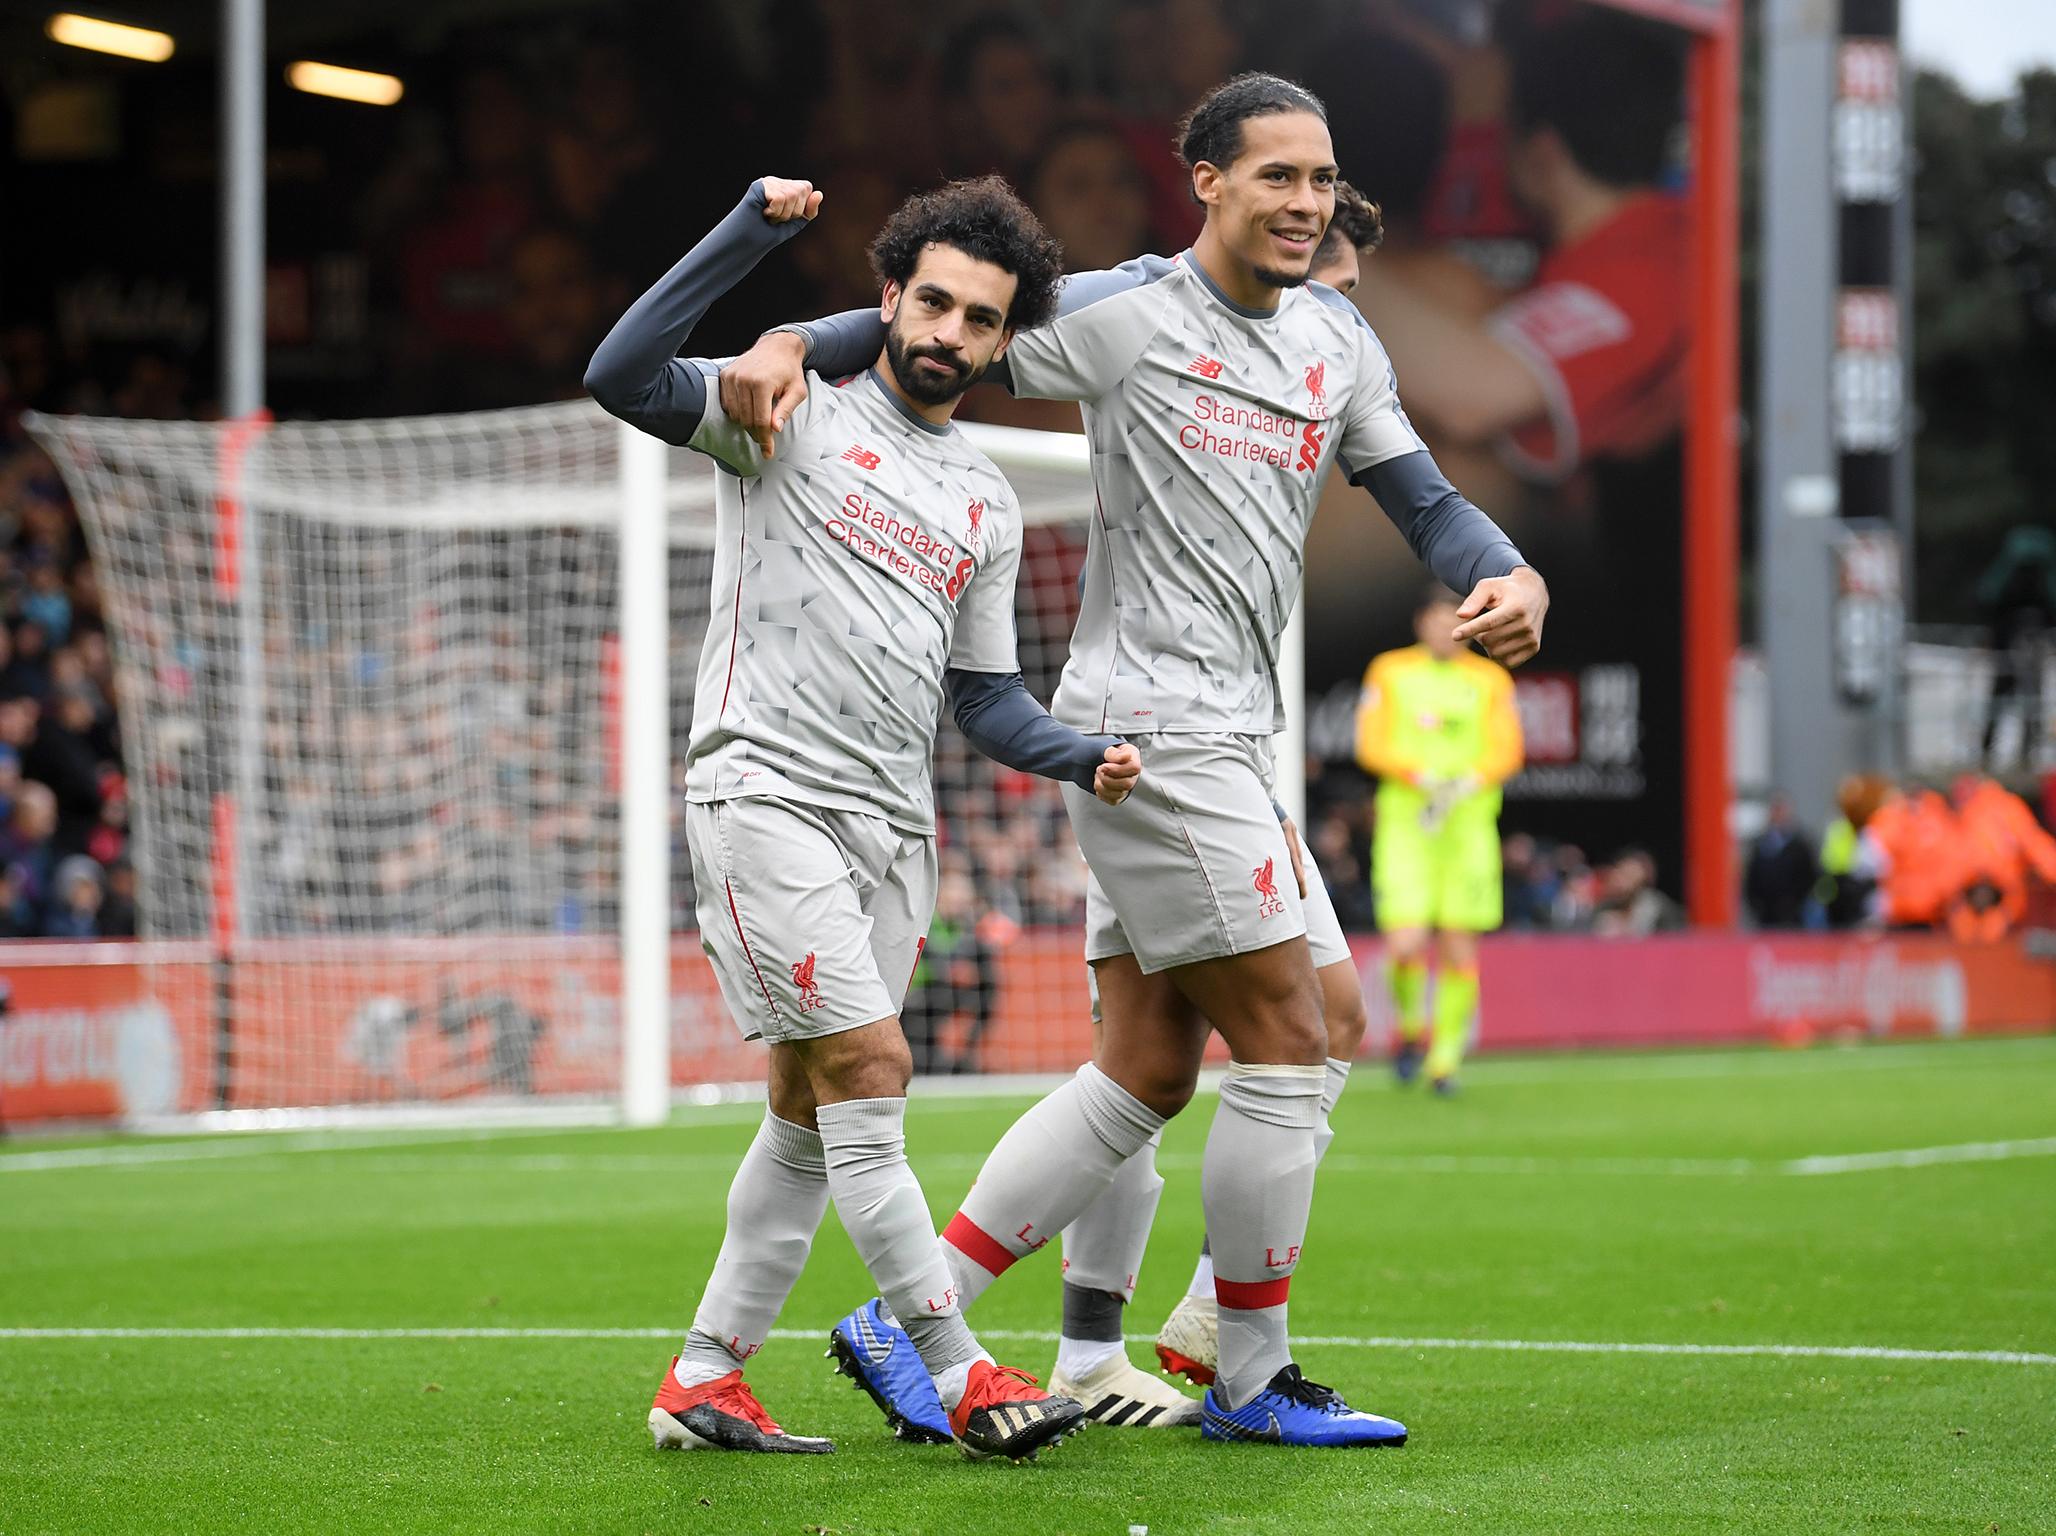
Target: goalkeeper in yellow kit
{"points": [[1437, 725]]}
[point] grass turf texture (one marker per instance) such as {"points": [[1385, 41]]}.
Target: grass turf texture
{"points": [[1597, 1198]]}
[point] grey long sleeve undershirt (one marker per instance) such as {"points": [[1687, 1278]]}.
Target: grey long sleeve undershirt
{"points": [[1001, 718], [1448, 534], [636, 373]]}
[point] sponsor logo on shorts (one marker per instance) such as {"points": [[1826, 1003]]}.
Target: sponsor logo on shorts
{"points": [[803, 978], [1268, 902]]}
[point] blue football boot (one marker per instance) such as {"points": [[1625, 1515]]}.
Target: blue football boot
{"points": [[878, 1356], [1295, 1411]]}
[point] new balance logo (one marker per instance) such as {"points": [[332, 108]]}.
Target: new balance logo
{"points": [[860, 456], [803, 978], [1206, 367], [1268, 902]]}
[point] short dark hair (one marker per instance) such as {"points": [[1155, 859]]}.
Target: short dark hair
{"points": [[1357, 222], [986, 220], [1611, 86], [1433, 594], [1212, 131]]}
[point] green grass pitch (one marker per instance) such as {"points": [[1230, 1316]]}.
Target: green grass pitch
{"points": [[1606, 1200]]}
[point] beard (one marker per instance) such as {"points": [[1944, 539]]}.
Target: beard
{"points": [[928, 388], [1276, 279]]}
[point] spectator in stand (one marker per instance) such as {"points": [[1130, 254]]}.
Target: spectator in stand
{"points": [[1778, 882], [10, 781], [15, 679], [62, 756], [27, 859], [1630, 905], [46, 603], [1529, 882], [108, 839], [118, 909], [75, 906], [1343, 872], [28, 674], [957, 978], [2001, 844]]}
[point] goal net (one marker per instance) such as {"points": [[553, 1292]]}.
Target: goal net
{"points": [[371, 690]]}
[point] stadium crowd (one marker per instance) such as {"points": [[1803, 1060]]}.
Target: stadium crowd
{"points": [[64, 867]]}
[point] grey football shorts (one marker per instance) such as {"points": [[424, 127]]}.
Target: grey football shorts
{"points": [[1193, 865], [813, 917]]}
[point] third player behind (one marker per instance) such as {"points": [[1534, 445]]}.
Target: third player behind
{"points": [[1438, 727]]}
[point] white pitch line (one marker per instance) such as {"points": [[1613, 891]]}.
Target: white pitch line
{"points": [[254, 1144], [369, 1161], [1922, 1157], [1330, 1341], [361, 1157]]}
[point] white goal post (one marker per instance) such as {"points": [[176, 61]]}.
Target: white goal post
{"points": [[404, 705]]}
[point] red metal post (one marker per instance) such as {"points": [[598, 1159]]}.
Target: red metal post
{"points": [[1712, 546]]}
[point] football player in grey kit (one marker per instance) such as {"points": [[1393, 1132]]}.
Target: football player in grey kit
{"points": [[863, 570], [1218, 391]]}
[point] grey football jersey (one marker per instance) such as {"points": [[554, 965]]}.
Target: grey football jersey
{"points": [[850, 571], [1212, 428]]}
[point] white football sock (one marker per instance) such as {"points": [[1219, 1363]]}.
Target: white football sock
{"points": [[775, 1205], [880, 1203], [1052, 1163], [1258, 1183]]}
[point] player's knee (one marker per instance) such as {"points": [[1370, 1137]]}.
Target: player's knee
{"points": [[1454, 947], [1406, 947], [869, 1063], [1165, 1090], [1287, 1030], [1343, 1012]]}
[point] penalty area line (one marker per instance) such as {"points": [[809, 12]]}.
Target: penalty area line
{"points": [[1327, 1341]]}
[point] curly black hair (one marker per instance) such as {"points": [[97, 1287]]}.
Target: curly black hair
{"points": [[1212, 131], [1358, 221], [986, 220]]}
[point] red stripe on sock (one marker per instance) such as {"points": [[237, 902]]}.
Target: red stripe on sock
{"points": [[1251, 1295], [977, 1245]]}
